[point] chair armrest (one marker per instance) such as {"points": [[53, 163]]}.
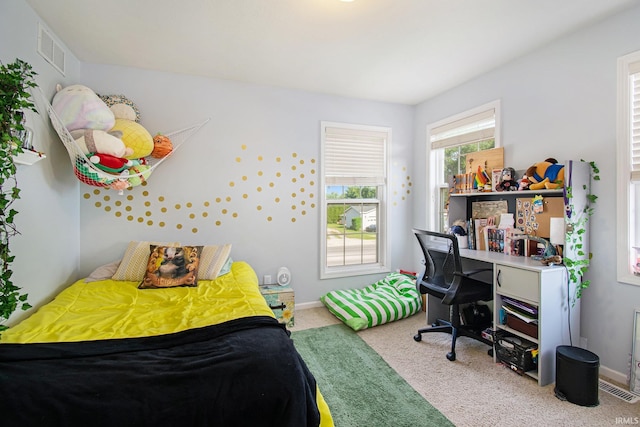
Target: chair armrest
{"points": [[472, 272]]}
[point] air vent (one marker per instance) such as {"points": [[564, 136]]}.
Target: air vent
{"points": [[50, 50], [618, 392]]}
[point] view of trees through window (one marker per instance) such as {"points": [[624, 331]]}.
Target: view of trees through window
{"points": [[455, 158], [352, 235]]}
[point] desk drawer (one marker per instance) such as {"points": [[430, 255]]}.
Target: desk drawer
{"points": [[518, 282]]}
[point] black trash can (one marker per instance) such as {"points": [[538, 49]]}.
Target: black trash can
{"points": [[577, 375]]}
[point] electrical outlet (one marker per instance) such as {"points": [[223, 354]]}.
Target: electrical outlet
{"points": [[267, 279]]}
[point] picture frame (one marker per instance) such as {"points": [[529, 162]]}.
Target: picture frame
{"points": [[634, 381], [495, 178]]}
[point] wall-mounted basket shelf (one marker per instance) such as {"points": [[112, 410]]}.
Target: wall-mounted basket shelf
{"points": [[28, 157]]}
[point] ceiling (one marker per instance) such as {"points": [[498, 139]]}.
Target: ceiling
{"points": [[401, 51]]}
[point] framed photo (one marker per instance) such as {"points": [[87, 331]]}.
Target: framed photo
{"points": [[495, 178]]}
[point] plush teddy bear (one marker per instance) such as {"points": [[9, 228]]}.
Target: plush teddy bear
{"points": [[548, 174]]}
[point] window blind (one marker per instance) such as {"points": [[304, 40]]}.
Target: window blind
{"points": [[635, 122], [474, 128], [354, 156]]}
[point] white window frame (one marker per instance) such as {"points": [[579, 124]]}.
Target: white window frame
{"points": [[382, 266], [627, 200], [435, 157]]}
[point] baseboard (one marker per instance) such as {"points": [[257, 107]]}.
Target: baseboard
{"points": [[306, 305], [616, 376]]}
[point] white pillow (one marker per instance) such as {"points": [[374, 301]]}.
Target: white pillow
{"points": [[212, 259], [103, 272]]}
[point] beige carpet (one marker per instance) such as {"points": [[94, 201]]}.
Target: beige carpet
{"points": [[473, 391]]}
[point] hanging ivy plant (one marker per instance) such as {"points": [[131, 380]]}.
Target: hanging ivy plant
{"points": [[16, 79], [576, 232]]}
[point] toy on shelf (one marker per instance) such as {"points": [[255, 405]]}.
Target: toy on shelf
{"points": [[546, 175], [507, 180]]}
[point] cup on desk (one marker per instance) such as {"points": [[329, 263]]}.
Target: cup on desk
{"points": [[463, 243]]}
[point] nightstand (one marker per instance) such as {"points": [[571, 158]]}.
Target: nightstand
{"points": [[281, 300]]}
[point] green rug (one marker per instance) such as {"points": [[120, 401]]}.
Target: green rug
{"points": [[361, 389]]}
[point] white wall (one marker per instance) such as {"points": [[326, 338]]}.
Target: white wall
{"points": [[234, 154], [560, 101], [47, 249]]}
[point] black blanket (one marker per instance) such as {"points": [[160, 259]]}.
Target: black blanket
{"points": [[245, 372]]}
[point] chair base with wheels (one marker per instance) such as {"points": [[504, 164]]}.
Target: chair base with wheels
{"points": [[444, 278]]}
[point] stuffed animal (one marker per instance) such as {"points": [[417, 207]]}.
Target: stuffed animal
{"points": [[136, 137], [162, 146], [78, 107], [507, 180], [548, 174], [110, 164], [122, 107], [99, 141]]}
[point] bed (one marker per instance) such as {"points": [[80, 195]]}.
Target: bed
{"points": [[105, 352]]}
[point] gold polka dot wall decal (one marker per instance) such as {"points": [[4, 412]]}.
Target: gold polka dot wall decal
{"points": [[238, 160], [206, 203], [235, 215], [145, 193], [313, 205], [303, 212], [313, 171], [107, 208], [294, 179], [205, 214], [301, 176], [259, 207], [218, 199], [150, 223], [278, 159], [293, 220], [313, 160], [244, 177], [228, 199], [128, 208], [293, 167], [96, 191], [162, 224], [224, 211], [278, 174], [269, 218], [259, 189], [140, 219], [189, 204], [147, 213], [302, 162], [87, 195], [271, 184], [231, 184], [129, 217], [294, 195], [245, 196], [243, 146], [147, 203], [129, 197], [98, 204], [218, 223], [277, 199], [302, 189], [260, 173], [294, 155], [161, 199], [179, 226], [194, 230], [118, 214], [192, 216], [302, 202], [312, 183], [163, 210], [106, 198], [260, 158]]}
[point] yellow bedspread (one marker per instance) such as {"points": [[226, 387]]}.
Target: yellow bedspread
{"points": [[118, 309]]}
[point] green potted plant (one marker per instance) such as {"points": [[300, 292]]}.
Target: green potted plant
{"points": [[16, 79], [578, 264]]}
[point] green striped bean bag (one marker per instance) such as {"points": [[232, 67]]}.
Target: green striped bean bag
{"points": [[392, 298]]}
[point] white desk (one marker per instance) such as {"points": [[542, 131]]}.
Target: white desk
{"points": [[532, 282]]}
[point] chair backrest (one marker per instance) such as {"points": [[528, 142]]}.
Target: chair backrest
{"points": [[441, 261]]}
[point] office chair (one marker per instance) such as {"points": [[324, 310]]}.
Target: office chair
{"points": [[443, 277]]}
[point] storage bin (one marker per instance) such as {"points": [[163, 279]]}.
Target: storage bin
{"points": [[515, 352], [520, 325]]}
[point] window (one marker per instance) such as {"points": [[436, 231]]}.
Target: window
{"points": [[450, 141], [628, 169], [354, 210]]}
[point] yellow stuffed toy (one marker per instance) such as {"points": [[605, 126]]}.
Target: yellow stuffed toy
{"points": [[546, 175]]}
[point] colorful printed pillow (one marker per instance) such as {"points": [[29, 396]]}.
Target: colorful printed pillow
{"points": [[171, 266], [135, 259], [212, 260]]}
